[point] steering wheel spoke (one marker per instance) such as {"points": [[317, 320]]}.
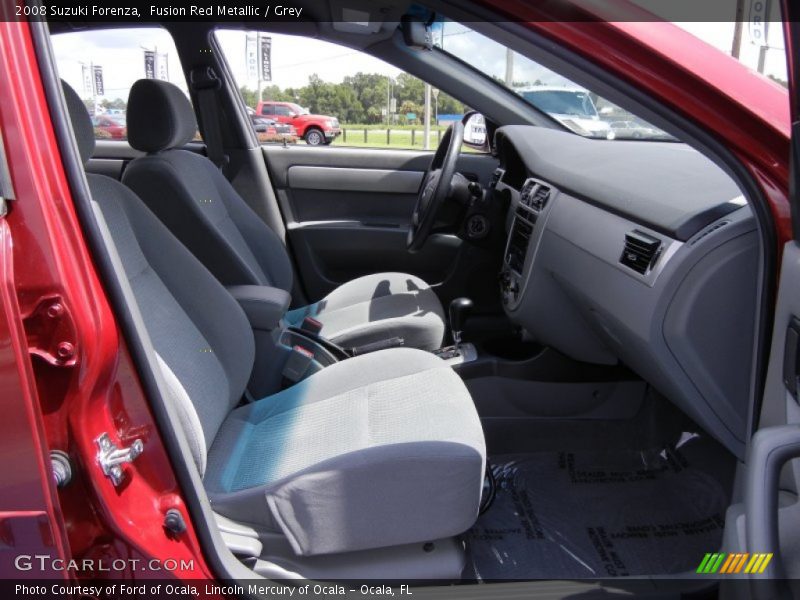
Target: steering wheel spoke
{"points": [[435, 187]]}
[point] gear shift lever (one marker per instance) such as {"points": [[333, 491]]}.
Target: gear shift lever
{"points": [[459, 311]]}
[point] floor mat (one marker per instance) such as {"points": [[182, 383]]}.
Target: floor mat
{"points": [[604, 513]]}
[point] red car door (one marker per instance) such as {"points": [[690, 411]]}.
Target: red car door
{"points": [[66, 377], [282, 113], [792, 38], [30, 519]]}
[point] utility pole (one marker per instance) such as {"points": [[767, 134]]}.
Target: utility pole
{"points": [[427, 117], [260, 69], [762, 58], [762, 51], [737, 29], [87, 71], [509, 67]]}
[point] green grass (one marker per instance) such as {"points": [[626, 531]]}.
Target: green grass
{"points": [[382, 127]]}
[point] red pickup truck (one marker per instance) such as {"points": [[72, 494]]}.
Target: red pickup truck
{"points": [[314, 129]]}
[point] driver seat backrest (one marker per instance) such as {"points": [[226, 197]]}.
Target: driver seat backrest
{"points": [[192, 197]]}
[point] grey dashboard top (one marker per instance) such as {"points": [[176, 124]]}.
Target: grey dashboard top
{"points": [[667, 186]]}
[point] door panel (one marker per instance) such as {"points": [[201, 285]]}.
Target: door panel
{"points": [[341, 193], [110, 157], [360, 207], [347, 212], [767, 521], [354, 180]]}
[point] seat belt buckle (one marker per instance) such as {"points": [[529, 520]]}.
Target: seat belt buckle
{"points": [[297, 364], [311, 325]]}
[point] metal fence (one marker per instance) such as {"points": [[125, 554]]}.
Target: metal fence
{"points": [[389, 137]]}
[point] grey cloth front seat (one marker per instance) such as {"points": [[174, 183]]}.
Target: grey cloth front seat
{"points": [[378, 450], [198, 204]]}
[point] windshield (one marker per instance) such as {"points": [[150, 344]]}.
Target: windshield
{"points": [[297, 109], [576, 108]]}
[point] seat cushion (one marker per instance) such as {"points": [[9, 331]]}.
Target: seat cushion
{"points": [[378, 450], [378, 307]]}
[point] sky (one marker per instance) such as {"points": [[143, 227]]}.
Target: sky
{"points": [[120, 53]]}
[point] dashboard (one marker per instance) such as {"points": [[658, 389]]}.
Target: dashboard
{"points": [[639, 252]]}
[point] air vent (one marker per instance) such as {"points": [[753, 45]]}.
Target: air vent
{"points": [[540, 197], [641, 251], [525, 195]]}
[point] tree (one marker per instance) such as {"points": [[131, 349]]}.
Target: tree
{"points": [[410, 107], [116, 104], [370, 90], [447, 105], [248, 95], [783, 82], [359, 98], [409, 88]]}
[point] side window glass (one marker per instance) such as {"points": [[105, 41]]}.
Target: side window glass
{"points": [[333, 95], [102, 65]]}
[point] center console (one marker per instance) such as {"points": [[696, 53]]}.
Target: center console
{"points": [[286, 354], [528, 207]]}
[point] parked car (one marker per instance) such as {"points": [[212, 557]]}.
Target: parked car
{"points": [[636, 131], [271, 126], [314, 129], [572, 107], [113, 124], [262, 125], [269, 130]]}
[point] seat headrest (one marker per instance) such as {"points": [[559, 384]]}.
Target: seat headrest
{"points": [[81, 122], [160, 116]]}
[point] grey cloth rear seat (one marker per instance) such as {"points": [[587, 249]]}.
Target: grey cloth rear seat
{"points": [[379, 450], [200, 206]]}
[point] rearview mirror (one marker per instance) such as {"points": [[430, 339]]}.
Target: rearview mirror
{"points": [[475, 135], [416, 33]]}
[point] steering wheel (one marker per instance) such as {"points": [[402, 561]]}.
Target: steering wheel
{"points": [[435, 186]]}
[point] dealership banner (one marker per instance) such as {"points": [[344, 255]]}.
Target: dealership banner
{"points": [[757, 18], [149, 64], [88, 84], [162, 66], [251, 55], [98, 81]]}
